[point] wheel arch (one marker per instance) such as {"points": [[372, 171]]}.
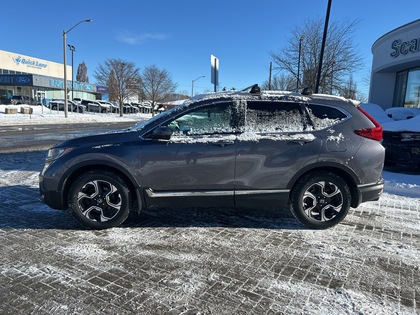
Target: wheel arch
{"points": [[80, 169], [347, 174]]}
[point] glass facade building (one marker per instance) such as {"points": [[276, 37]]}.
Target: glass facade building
{"points": [[395, 79], [39, 79]]}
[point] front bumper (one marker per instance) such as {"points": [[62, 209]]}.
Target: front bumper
{"points": [[52, 198]]}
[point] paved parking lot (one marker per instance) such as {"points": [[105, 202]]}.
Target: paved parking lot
{"points": [[207, 261]]}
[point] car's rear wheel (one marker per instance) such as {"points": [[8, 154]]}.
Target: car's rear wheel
{"points": [[320, 199], [99, 199]]}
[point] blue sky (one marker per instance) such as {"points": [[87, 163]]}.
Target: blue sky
{"points": [[180, 36]]}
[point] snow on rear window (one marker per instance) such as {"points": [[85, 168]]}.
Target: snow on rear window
{"points": [[273, 117], [324, 116]]}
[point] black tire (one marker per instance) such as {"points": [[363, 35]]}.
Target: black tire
{"points": [[53, 107], [320, 200], [99, 199]]}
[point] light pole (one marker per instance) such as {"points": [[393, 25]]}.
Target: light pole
{"points": [[65, 66], [73, 49], [300, 50], [192, 84], [324, 39]]}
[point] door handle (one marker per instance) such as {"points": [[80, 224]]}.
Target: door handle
{"points": [[223, 144], [301, 141]]}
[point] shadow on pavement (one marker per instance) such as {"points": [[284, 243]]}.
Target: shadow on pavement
{"points": [[23, 161], [22, 209]]}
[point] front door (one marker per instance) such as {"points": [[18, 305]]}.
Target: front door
{"points": [[196, 165]]}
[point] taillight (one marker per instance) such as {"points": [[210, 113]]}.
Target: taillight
{"points": [[371, 133]]}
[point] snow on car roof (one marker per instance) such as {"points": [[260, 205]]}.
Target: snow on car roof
{"points": [[389, 124], [409, 125], [294, 96]]}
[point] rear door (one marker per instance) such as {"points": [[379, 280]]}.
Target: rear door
{"points": [[276, 142]]}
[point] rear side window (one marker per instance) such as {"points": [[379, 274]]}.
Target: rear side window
{"points": [[323, 116], [273, 117]]}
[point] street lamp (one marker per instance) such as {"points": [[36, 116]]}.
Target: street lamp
{"points": [[73, 49], [192, 85], [300, 50], [65, 66]]}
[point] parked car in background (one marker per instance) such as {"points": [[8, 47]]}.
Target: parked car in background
{"points": [[130, 109], [319, 154], [22, 99], [114, 108], [95, 106], [58, 104], [145, 107], [401, 140], [401, 135]]}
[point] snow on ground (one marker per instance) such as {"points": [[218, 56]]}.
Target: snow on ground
{"points": [[44, 115]]}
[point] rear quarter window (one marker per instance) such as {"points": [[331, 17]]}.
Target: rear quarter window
{"points": [[323, 116]]}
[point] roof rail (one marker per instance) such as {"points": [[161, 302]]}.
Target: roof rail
{"points": [[307, 91], [253, 89]]}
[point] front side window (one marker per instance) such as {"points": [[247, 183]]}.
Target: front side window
{"points": [[207, 120], [274, 117]]}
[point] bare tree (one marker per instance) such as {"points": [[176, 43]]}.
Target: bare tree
{"points": [[157, 85], [81, 75], [341, 57], [280, 83], [122, 78], [349, 90]]}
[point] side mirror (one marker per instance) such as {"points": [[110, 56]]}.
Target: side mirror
{"points": [[161, 133]]}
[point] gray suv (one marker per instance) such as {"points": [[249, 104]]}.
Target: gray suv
{"points": [[318, 154]]}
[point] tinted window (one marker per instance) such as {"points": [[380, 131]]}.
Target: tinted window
{"points": [[213, 119], [273, 117], [324, 116]]}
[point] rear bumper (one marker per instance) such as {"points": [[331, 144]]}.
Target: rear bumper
{"points": [[370, 192]]}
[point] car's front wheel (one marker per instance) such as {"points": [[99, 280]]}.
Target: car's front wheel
{"points": [[99, 199], [320, 199]]}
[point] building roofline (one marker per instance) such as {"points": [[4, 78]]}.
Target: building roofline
{"points": [[393, 31]]}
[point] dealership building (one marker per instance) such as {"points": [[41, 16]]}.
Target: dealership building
{"points": [[395, 79], [40, 79]]}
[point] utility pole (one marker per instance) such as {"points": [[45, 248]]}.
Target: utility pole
{"points": [[324, 38]]}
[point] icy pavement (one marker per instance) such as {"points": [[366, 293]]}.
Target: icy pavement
{"points": [[207, 261]]}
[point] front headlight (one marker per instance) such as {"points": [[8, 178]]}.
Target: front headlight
{"points": [[55, 153]]}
